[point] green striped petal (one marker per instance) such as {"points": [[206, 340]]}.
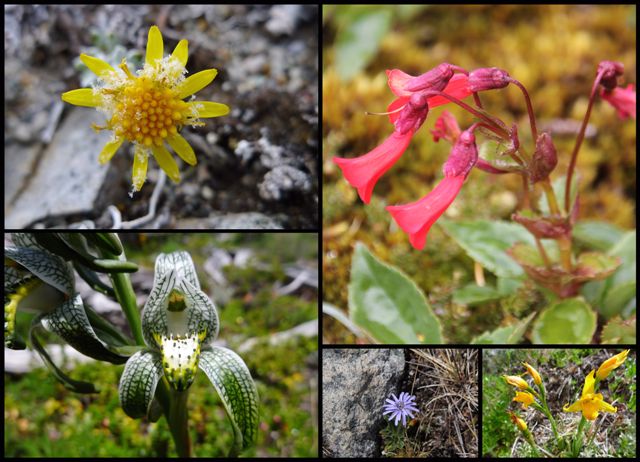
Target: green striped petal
{"points": [[201, 313], [138, 383], [181, 262], [70, 322], [232, 380], [154, 314], [49, 268]]}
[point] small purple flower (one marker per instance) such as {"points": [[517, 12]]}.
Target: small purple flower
{"points": [[400, 407]]}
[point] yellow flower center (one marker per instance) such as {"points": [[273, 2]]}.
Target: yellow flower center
{"points": [[147, 112]]}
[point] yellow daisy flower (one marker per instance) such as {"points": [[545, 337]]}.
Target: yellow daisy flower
{"points": [[610, 364], [590, 403], [148, 109]]}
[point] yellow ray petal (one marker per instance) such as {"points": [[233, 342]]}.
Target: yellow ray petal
{"points": [[210, 109], [96, 65], [196, 82], [109, 150], [166, 162], [181, 52], [182, 148], [155, 46], [575, 407], [82, 97], [140, 161]]}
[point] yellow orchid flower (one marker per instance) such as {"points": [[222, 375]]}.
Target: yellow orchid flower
{"points": [[516, 381], [522, 425], [525, 398], [147, 109], [533, 373], [610, 364], [590, 403]]}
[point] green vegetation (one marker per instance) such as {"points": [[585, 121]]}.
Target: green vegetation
{"points": [[43, 419]]}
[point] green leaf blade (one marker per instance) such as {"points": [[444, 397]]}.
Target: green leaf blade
{"points": [[569, 321], [387, 304]]}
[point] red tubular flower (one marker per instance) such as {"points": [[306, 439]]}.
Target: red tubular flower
{"points": [[363, 172], [623, 99], [416, 218]]}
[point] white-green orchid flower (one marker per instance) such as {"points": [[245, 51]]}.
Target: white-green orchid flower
{"points": [[37, 280], [179, 322]]}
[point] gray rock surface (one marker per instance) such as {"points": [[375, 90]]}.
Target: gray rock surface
{"points": [[67, 178], [355, 384]]}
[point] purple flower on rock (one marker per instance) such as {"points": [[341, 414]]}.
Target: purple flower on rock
{"points": [[400, 407]]}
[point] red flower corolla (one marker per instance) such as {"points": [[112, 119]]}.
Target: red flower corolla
{"points": [[416, 218], [623, 99], [363, 172]]}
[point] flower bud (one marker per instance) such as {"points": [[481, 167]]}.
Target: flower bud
{"points": [[413, 114], [463, 157], [488, 78], [436, 79], [545, 158], [610, 71], [446, 127]]}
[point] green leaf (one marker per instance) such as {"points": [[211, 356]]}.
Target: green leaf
{"points": [[70, 322], [70, 384], [616, 294], [505, 335], [232, 380], [473, 294], [138, 383], [387, 304], [358, 41], [568, 321], [487, 241], [598, 235], [620, 331]]}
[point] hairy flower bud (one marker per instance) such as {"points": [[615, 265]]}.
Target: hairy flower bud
{"points": [[610, 70], [413, 114], [463, 157], [436, 79], [544, 158], [488, 78]]}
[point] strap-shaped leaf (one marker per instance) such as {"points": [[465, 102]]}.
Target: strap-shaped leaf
{"points": [[232, 380], [138, 383], [93, 280], [49, 268], [108, 242], [154, 314], [181, 262], [70, 322], [69, 383], [201, 312]]}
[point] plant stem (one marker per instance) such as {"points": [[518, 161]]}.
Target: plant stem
{"points": [[532, 117], [492, 124], [551, 197], [579, 139], [577, 442], [127, 299]]}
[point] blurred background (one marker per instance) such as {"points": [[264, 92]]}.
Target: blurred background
{"points": [[257, 167], [554, 50], [265, 288]]}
